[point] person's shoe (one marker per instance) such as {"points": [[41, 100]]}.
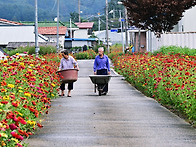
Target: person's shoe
{"points": [[68, 95], [61, 95]]}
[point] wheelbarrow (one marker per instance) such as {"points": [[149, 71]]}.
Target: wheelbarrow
{"points": [[68, 75], [100, 81]]}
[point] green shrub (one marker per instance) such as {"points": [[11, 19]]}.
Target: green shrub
{"points": [[116, 47], [31, 50], [89, 54], [176, 50], [95, 48], [76, 49]]}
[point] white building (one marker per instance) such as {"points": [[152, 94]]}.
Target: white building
{"points": [[16, 32], [19, 33], [51, 34], [80, 36], [188, 21]]}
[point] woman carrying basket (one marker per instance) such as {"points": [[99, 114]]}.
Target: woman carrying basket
{"points": [[67, 62]]}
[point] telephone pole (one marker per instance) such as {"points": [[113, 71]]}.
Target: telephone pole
{"points": [[107, 38], [57, 42], [36, 31], [126, 28], [99, 25]]}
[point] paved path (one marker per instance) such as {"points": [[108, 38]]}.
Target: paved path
{"points": [[123, 118]]}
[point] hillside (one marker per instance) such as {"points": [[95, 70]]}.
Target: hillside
{"points": [[23, 10]]}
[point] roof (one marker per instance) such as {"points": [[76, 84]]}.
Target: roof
{"points": [[5, 21], [50, 24], [80, 39], [85, 25], [52, 30]]}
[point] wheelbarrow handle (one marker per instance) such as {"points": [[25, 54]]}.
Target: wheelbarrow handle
{"points": [[95, 88]]}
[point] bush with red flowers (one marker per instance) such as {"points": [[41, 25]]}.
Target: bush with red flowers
{"points": [[27, 86], [170, 79]]}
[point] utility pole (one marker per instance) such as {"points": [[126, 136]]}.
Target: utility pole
{"points": [[79, 10], [70, 29], [121, 26], [107, 38], [57, 42], [36, 31], [126, 28]]}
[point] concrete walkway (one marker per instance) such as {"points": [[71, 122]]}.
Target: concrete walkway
{"points": [[123, 118]]}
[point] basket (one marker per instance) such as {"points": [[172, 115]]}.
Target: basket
{"points": [[68, 75]]}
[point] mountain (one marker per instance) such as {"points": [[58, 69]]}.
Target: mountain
{"points": [[23, 10]]}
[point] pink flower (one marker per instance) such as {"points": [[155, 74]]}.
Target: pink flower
{"points": [[19, 145], [13, 126], [31, 85]]}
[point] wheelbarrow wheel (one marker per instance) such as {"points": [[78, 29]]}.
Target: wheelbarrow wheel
{"points": [[100, 92]]}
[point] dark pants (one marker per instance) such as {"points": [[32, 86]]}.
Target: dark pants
{"points": [[70, 86], [103, 72]]}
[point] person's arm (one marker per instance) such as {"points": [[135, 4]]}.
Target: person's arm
{"points": [[108, 65], [61, 65], [75, 63], [95, 66]]}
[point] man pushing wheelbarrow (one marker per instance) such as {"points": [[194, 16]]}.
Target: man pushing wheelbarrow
{"points": [[102, 67]]}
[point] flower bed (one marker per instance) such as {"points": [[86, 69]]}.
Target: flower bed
{"points": [[170, 79], [27, 86]]}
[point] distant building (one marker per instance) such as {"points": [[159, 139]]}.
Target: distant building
{"points": [[80, 36], [7, 22], [85, 29], [51, 34], [17, 33], [188, 21]]}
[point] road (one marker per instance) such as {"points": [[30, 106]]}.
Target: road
{"points": [[123, 118]]}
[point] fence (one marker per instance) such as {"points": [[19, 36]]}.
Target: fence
{"points": [[183, 39]]}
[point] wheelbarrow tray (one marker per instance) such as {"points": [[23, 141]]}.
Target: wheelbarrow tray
{"points": [[100, 79], [68, 75]]}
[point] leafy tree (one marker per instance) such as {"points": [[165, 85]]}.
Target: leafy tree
{"points": [[156, 15], [74, 16]]}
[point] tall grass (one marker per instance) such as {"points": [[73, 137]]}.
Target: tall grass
{"points": [[31, 50], [116, 47], [89, 54], [176, 50]]}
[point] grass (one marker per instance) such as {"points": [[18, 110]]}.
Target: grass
{"points": [[176, 50], [31, 50]]}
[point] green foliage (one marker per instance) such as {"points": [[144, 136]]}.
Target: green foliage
{"points": [[170, 79], [76, 49], [95, 48], [176, 50], [15, 9], [89, 54], [47, 50], [31, 50]]}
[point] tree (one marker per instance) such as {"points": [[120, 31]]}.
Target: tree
{"points": [[156, 15]]}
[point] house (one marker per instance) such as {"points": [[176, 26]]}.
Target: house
{"points": [[80, 36], [17, 34], [51, 34], [114, 37], [188, 21], [8, 22], [85, 29]]}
